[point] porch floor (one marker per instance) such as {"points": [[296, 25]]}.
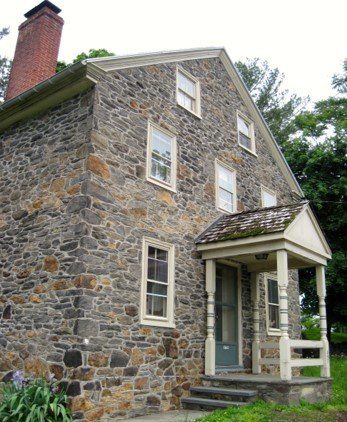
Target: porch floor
{"points": [[263, 378]]}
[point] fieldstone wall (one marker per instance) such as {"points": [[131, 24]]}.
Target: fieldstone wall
{"points": [[80, 303]]}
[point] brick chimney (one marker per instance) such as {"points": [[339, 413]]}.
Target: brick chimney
{"points": [[37, 48]]}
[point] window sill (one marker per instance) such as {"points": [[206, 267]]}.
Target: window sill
{"points": [[161, 184], [248, 150], [198, 115], [157, 323]]}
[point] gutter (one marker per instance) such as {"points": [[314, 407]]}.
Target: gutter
{"points": [[72, 69]]}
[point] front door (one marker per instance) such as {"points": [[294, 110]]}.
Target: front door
{"points": [[226, 314]]}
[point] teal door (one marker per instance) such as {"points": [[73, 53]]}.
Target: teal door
{"points": [[226, 314]]}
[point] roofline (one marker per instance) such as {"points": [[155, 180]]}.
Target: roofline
{"points": [[105, 64]]}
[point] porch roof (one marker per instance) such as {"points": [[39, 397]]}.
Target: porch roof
{"points": [[251, 223], [244, 235]]}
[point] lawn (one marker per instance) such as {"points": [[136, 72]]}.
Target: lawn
{"points": [[334, 410]]}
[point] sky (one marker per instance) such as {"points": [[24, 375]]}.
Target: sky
{"points": [[305, 39]]}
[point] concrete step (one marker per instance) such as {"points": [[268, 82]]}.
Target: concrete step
{"points": [[203, 403], [220, 393]]}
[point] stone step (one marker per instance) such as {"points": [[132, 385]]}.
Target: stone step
{"points": [[199, 402], [216, 393]]}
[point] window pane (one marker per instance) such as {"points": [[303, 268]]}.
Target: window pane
{"points": [[157, 269], [274, 316], [161, 254], [185, 101], [243, 126], [155, 288], [225, 199], [269, 200], [156, 305], [245, 141], [272, 291], [186, 84], [225, 178], [161, 143], [160, 171]]}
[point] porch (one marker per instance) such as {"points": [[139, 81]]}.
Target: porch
{"points": [[266, 240]]}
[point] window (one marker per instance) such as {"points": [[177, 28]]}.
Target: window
{"points": [[157, 283], [161, 157], [245, 131], [268, 198], [225, 188], [188, 91], [272, 299]]}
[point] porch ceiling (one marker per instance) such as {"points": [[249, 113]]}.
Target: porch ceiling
{"points": [[243, 235]]}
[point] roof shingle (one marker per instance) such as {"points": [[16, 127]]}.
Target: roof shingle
{"points": [[251, 223]]}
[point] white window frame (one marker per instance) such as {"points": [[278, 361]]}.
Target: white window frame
{"points": [[218, 164], [153, 320], [170, 186], [271, 331], [197, 112], [251, 126], [270, 192]]}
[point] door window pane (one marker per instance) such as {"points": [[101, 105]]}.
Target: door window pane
{"points": [[274, 316]]}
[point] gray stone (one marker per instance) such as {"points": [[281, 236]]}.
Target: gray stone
{"points": [[73, 358], [86, 328], [77, 203], [119, 359]]}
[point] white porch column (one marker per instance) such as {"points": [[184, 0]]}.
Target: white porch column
{"points": [[256, 367], [321, 291], [210, 343], [282, 275]]}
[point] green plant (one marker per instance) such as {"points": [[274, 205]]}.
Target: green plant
{"points": [[28, 400]]}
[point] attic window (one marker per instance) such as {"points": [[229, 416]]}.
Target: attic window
{"points": [[188, 91], [245, 132], [268, 198]]}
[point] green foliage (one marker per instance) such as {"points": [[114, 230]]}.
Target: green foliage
{"points": [[317, 156], [38, 400], [5, 67], [334, 410], [93, 53], [278, 107]]}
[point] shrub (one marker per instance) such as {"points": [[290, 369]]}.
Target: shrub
{"points": [[27, 400]]}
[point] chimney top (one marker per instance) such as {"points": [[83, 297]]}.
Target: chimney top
{"points": [[40, 6]]}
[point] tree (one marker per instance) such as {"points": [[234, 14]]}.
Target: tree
{"points": [[317, 156], [278, 107], [93, 53], [5, 66]]}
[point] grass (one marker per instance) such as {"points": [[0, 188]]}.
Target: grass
{"points": [[334, 410]]}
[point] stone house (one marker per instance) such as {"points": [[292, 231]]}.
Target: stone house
{"points": [[150, 232]]}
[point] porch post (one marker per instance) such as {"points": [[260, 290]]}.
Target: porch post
{"points": [[256, 368], [282, 274], [210, 343], [321, 291]]}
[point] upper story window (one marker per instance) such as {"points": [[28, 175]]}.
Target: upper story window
{"points": [[268, 198], [157, 299], [245, 131], [188, 91], [161, 157], [273, 307], [225, 187]]}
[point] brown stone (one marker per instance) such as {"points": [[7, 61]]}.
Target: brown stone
{"points": [[95, 415], [141, 383], [58, 184], [98, 166], [60, 285], [171, 349], [98, 359], [137, 356], [39, 289], [83, 373], [85, 281], [17, 299], [36, 366], [50, 264], [23, 274], [133, 104], [80, 404], [137, 212], [35, 299], [74, 189], [166, 197], [57, 370]]}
